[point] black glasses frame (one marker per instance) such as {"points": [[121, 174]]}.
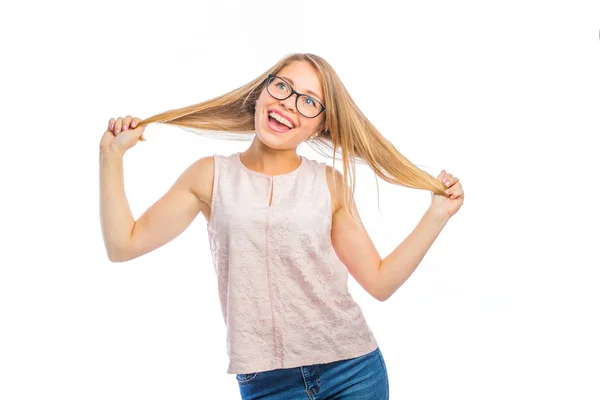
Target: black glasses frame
{"points": [[272, 76]]}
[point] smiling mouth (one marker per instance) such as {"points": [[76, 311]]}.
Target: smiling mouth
{"points": [[275, 125]]}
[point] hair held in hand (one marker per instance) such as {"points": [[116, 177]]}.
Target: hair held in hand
{"points": [[348, 134]]}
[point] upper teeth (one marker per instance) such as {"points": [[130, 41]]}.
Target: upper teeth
{"points": [[280, 119]]}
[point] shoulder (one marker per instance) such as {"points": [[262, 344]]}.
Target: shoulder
{"points": [[203, 168], [335, 181], [200, 177], [331, 172]]}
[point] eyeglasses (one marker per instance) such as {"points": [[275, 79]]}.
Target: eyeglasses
{"points": [[281, 90]]}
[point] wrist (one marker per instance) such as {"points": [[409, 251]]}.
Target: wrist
{"points": [[438, 215], [110, 151]]}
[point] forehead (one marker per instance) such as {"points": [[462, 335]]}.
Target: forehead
{"points": [[303, 77]]}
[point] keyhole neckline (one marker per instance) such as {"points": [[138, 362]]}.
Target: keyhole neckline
{"points": [[263, 175]]}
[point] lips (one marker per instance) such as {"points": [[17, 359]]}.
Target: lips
{"points": [[283, 115], [274, 127]]}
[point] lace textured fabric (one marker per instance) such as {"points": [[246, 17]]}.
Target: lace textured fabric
{"points": [[283, 290]]}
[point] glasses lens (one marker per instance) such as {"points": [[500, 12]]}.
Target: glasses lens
{"points": [[308, 106], [278, 88]]}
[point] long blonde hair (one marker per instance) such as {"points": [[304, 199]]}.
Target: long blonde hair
{"points": [[347, 133]]}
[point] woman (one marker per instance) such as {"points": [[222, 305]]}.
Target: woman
{"points": [[284, 230]]}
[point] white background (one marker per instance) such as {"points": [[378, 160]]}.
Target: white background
{"points": [[504, 95]]}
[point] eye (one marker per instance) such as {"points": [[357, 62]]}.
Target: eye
{"points": [[281, 85], [310, 102]]}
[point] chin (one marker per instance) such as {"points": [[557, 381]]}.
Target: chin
{"points": [[276, 141]]}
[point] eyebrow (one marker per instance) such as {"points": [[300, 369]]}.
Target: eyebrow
{"points": [[308, 91]]}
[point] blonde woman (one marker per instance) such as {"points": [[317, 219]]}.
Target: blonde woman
{"points": [[284, 230]]}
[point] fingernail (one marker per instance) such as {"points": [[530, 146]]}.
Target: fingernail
{"points": [[133, 124], [112, 126], [117, 131], [446, 182]]}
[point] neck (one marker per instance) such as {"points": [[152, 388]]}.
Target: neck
{"points": [[260, 157]]}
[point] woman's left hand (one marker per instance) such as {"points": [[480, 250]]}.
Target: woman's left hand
{"points": [[448, 205]]}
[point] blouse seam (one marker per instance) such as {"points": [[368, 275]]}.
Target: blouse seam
{"points": [[269, 271]]}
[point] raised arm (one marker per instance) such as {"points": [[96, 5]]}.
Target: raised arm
{"points": [[382, 277], [126, 238]]}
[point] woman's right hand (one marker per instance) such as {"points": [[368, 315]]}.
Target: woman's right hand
{"points": [[122, 134]]}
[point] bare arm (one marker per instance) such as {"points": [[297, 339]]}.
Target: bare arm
{"points": [[380, 277], [125, 238], [399, 265], [351, 242]]}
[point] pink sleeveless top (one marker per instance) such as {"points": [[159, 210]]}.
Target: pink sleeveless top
{"points": [[283, 291]]}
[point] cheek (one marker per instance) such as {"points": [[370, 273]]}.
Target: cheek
{"points": [[312, 125], [259, 106], [264, 99]]}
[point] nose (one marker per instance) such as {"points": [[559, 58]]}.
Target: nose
{"points": [[289, 103]]}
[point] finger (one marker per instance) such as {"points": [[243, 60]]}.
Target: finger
{"points": [[450, 180], [135, 122], [455, 193], [454, 190], [111, 124], [136, 132], [118, 125], [453, 181], [139, 131], [126, 122], [458, 193], [446, 179]]}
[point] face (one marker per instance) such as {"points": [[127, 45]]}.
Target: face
{"points": [[303, 78]]}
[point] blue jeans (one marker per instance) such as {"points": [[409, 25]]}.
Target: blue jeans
{"points": [[363, 377]]}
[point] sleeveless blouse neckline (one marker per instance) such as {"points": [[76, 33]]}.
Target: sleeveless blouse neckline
{"points": [[263, 175]]}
